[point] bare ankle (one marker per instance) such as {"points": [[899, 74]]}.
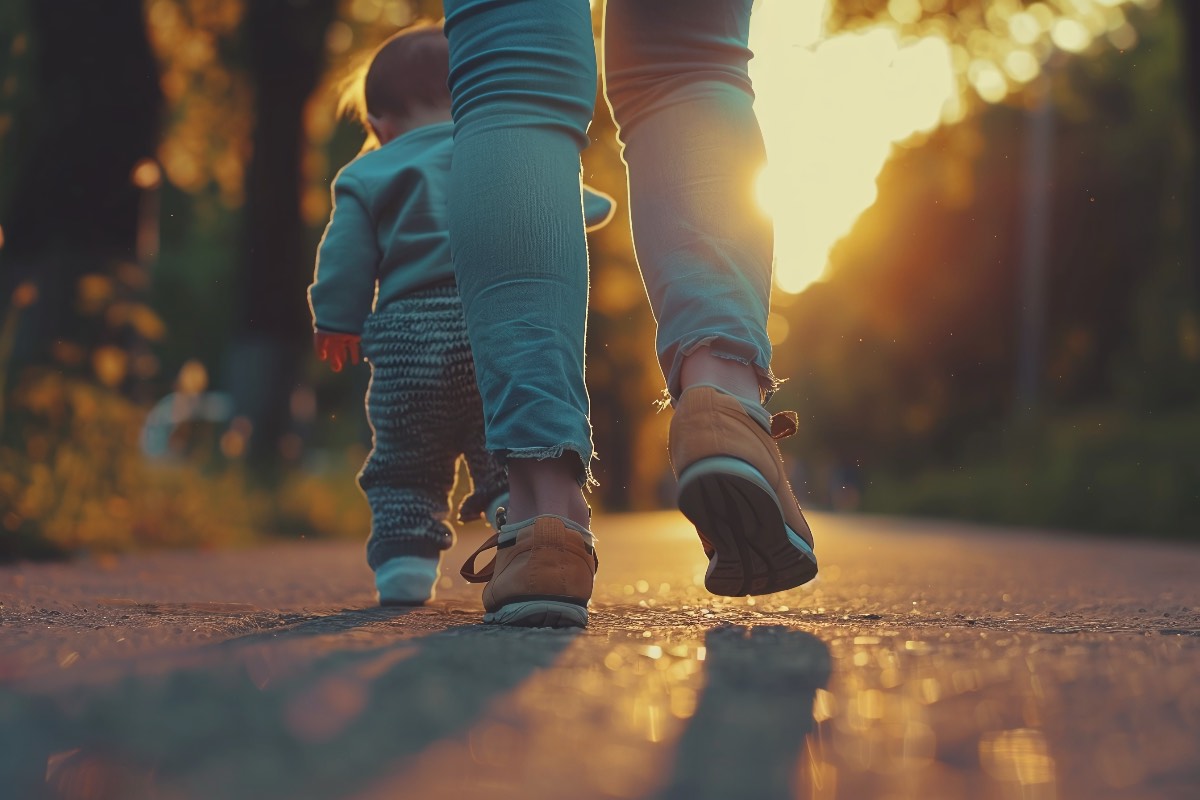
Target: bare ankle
{"points": [[546, 486], [734, 377]]}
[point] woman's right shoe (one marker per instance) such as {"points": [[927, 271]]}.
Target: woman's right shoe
{"points": [[734, 489], [542, 574]]}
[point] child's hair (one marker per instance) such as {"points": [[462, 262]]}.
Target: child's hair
{"points": [[407, 71]]}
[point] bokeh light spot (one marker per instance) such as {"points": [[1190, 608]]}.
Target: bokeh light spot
{"points": [[1071, 35]]}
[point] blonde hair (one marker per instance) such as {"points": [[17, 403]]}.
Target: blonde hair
{"points": [[409, 70]]}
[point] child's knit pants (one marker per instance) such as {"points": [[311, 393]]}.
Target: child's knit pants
{"points": [[425, 411]]}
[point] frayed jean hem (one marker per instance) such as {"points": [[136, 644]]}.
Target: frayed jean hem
{"points": [[586, 456], [767, 380]]}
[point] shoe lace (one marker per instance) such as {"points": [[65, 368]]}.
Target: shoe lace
{"points": [[472, 575], [468, 571]]}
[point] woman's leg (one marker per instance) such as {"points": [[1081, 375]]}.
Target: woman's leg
{"points": [[523, 81], [676, 79]]}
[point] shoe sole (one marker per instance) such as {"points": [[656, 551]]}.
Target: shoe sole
{"points": [[737, 512], [538, 614]]}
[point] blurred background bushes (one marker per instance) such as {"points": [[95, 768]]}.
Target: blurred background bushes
{"points": [[164, 173]]}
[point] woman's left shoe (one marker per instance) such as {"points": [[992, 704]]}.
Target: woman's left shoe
{"points": [[542, 575]]}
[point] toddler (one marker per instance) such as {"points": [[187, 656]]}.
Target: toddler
{"points": [[384, 280]]}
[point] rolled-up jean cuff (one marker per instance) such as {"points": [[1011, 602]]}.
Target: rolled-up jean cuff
{"points": [[585, 477], [766, 378]]}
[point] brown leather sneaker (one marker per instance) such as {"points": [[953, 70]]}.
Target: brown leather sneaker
{"points": [[733, 487], [542, 575]]}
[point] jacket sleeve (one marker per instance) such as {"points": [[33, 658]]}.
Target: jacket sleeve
{"points": [[598, 208], [343, 288]]}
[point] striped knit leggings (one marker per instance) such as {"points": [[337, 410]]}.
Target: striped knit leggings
{"points": [[425, 412]]}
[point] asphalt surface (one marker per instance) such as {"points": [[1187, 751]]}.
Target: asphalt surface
{"points": [[929, 660]]}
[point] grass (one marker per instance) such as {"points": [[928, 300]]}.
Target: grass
{"points": [[1103, 471], [73, 479]]}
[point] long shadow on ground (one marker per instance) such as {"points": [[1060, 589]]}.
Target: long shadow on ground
{"points": [[244, 728], [747, 736]]}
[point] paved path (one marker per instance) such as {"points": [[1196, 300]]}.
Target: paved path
{"points": [[927, 661]]}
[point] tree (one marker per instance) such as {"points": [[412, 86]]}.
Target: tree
{"points": [[1190, 14], [905, 357], [287, 61], [73, 208], [285, 41]]}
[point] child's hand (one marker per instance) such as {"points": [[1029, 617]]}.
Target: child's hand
{"points": [[338, 349]]}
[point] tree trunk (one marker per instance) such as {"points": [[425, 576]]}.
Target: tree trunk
{"points": [[74, 209], [286, 45]]}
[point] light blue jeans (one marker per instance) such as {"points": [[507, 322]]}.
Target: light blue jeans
{"points": [[523, 81]]}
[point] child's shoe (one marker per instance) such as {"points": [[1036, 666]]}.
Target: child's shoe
{"points": [[406, 580], [542, 575], [733, 487]]}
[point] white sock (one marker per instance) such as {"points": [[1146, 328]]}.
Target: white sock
{"points": [[406, 580]]}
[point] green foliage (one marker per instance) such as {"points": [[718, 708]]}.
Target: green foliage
{"points": [[1160, 369], [1160, 366], [910, 346], [195, 278], [1103, 471], [73, 479], [72, 474]]}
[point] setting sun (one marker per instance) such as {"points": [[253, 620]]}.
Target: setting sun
{"points": [[831, 109], [833, 106]]}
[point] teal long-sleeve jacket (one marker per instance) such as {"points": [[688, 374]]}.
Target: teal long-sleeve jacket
{"points": [[388, 235]]}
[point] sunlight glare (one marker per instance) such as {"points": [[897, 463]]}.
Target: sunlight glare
{"points": [[833, 107], [831, 110]]}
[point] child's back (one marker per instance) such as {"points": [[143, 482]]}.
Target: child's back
{"points": [[390, 231], [384, 277]]}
